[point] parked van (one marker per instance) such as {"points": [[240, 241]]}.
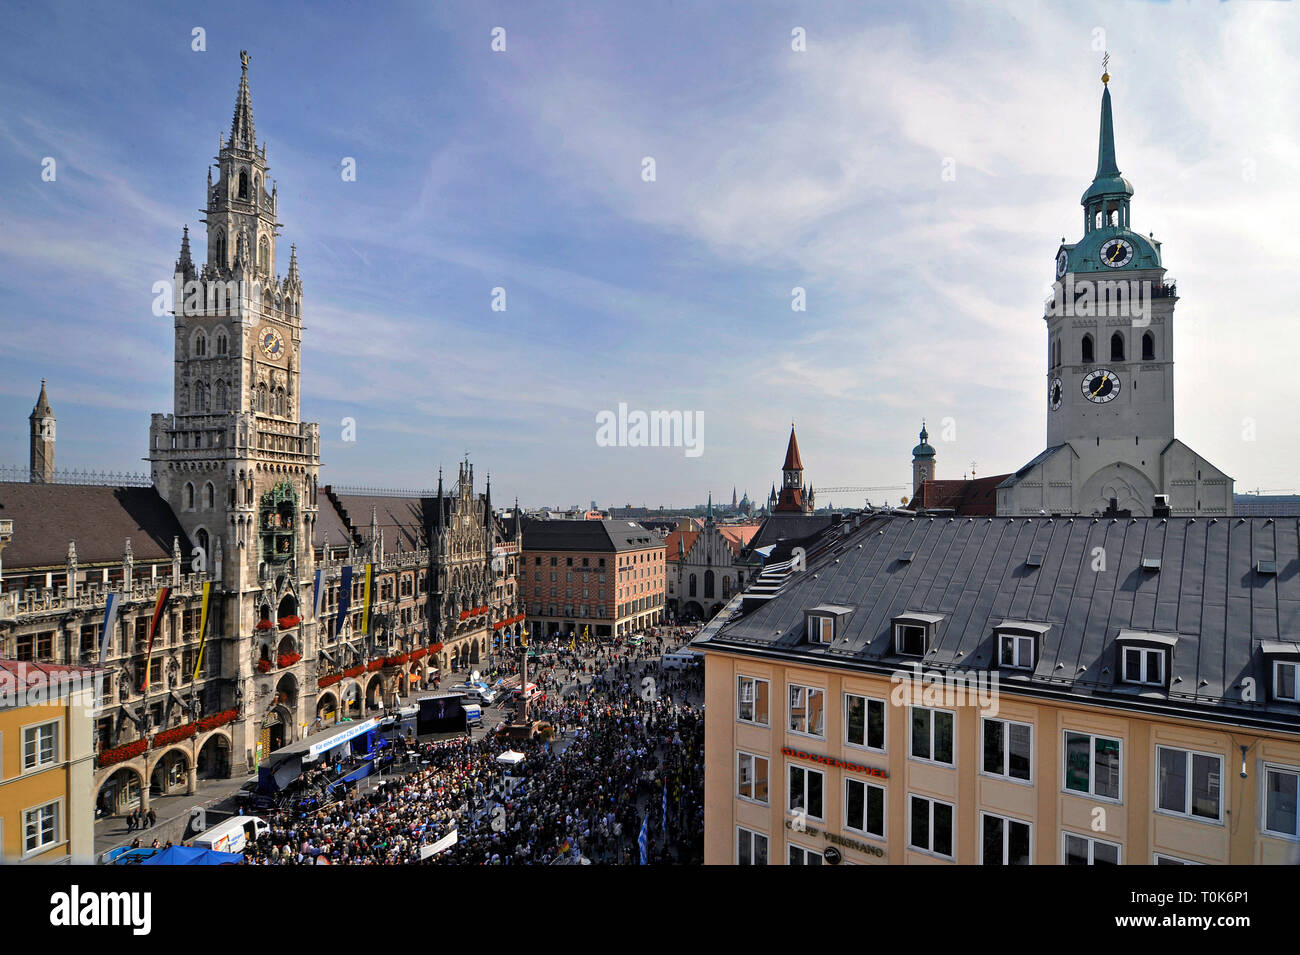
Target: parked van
{"points": [[682, 660], [473, 714], [475, 691], [232, 834]]}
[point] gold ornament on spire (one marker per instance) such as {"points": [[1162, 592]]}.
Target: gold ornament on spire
{"points": [[1105, 62], [243, 59]]}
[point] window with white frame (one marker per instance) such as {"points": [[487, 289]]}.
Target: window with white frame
{"points": [[1084, 850], [1161, 859], [932, 735], [820, 629], [1008, 749], [1188, 783], [1092, 765], [1015, 651], [751, 847], [1280, 789], [40, 827], [751, 777], [864, 722], [40, 745], [1144, 665], [801, 856], [751, 700], [1005, 841], [909, 639], [805, 792], [1286, 684], [864, 807], [807, 710], [930, 825]]}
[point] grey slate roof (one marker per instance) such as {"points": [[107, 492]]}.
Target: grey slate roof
{"points": [[1207, 593], [588, 535], [99, 518], [1014, 479]]}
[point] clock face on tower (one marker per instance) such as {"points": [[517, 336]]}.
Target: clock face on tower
{"points": [[1055, 392], [1062, 263], [271, 343], [1116, 252], [1100, 386]]}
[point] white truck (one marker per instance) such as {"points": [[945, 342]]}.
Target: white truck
{"points": [[231, 835]]}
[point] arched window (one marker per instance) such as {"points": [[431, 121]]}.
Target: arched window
{"points": [[1117, 347], [708, 583], [200, 345], [243, 184], [257, 188], [692, 587], [189, 497], [201, 538], [1148, 347], [261, 396], [1087, 352], [209, 496], [219, 249], [263, 255], [200, 397], [223, 342], [220, 404]]}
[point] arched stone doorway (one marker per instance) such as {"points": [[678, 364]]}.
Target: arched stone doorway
{"points": [[327, 711], [170, 774], [693, 611], [277, 729], [213, 761], [352, 700], [374, 692], [120, 792]]}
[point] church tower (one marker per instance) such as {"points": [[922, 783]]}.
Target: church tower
{"points": [[42, 440], [794, 497], [1110, 372], [922, 462], [234, 459]]}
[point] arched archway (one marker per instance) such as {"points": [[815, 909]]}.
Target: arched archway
{"points": [[351, 699], [327, 710], [120, 792], [374, 692], [213, 760], [170, 773], [694, 611]]}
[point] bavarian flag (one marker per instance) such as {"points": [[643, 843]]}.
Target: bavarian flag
{"points": [[366, 590], [203, 626]]}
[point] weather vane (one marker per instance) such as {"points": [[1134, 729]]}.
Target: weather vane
{"points": [[1105, 63]]}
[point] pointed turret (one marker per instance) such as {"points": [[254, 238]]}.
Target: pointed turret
{"points": [[41, 459], [241, 127], [185, 264], [294, 279], [792, 459]]}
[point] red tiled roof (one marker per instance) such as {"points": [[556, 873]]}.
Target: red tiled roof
{"points": [[792, 460], [739, 534], [25, 676], [974, 498]]}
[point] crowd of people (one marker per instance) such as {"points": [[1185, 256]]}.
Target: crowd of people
{"points": [[622, 750]]}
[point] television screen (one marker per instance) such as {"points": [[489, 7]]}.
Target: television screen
{"points": [[441, 714]]}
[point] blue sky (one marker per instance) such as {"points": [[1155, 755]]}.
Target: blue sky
{"points": [[774, 169]]}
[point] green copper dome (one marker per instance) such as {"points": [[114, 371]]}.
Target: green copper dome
{"points": [[923, 450]]}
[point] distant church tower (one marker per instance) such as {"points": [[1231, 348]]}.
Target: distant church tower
{"points": [[42, 441], [795, 498], [1109, 380], [922, 462]]}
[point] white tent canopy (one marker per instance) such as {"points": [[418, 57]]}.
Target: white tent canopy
{"points": [[510, 758]]}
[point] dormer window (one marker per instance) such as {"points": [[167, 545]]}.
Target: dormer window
{"points": [[1019, 644], [914, 633], [1283, 660], [1145, 658], [826, 622], [1144, 665]]}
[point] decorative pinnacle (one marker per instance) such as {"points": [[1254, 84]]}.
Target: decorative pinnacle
{"points": [[1105, 62]]}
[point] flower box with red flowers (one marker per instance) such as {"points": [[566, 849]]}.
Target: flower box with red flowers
{"points": [[374, 665], [464, 615], [264, 625], [352, 672], [264, 666], [121, 754], [435, 647], [217, 719], [398, 660], [174, 735], [419, 652], [288, 659], [287, 623], [329, 680]]}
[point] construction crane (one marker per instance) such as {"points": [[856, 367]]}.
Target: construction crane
{"points": [[855, 489]]}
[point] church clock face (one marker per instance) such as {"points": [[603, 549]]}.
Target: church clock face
{"points": [[1100, 386], [1062, 263], [1055, 393], [1116, 252], [271, 343]]}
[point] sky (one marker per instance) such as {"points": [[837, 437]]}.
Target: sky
{"points": [[912, 169]]}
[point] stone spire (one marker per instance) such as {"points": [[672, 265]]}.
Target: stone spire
{"points": [[241, 127], [42, 423], [185, 264], [295, 280]]}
